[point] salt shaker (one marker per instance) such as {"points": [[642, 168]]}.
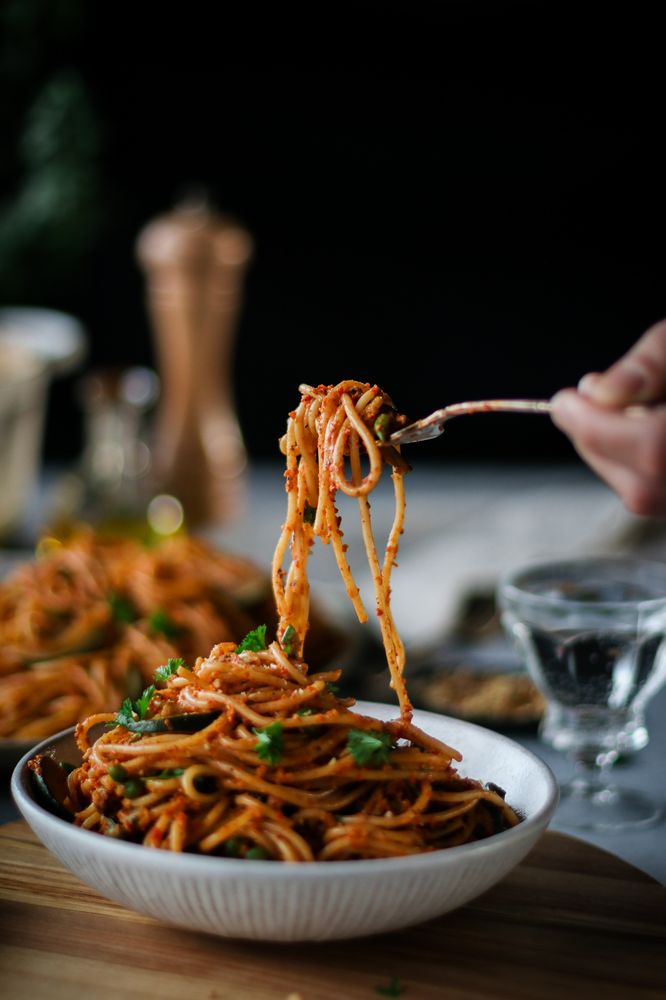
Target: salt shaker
{"points": [[195, 261]]}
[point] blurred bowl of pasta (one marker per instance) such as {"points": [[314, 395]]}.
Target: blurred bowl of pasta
{"points": [[86, 619], [318, 900]]}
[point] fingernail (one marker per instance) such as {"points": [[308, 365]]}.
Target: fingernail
{"points": [[587, 384], [561, 405]]}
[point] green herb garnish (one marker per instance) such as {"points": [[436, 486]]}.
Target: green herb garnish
{"points": [[159, 621], [309, 514], [254, 641], [369, 747], [394, 988], [142, 703], [169, 669], [121, 609], [381, 426], [287, 640], [128, 709], [168, 772], [270, 743], [332, 688]]}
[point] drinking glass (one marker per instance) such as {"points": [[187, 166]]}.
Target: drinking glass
{"points": [[592, 632]]}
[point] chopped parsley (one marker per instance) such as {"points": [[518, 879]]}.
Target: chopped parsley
{"points": [[254, 641], [128, 709], [393, 989], [169, 669], [332, 688], [369, 747], [270, 743], [142, 703], [159, 621], [287, 640], [309, 514], [122, 610], [168, 772]]}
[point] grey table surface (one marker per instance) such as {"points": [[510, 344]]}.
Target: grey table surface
{"points": [[446, 506]]}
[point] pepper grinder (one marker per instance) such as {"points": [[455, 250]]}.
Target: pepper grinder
{"points": [[194, 260]]}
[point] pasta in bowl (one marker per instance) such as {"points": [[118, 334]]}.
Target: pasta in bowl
{"points": [[243, 796], [320, 900]]}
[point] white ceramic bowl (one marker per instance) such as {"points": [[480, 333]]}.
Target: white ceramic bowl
{"points": [[270, 901]]}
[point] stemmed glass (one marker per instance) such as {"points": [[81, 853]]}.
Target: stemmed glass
{"points": [[593, 632]]}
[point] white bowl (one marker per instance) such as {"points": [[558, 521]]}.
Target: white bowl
{"points": [[271, 901]]}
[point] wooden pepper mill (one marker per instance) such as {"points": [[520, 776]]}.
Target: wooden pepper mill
{"points": [[195, 261]]}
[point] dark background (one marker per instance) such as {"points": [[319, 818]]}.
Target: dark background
{"points": [[455, 200]]}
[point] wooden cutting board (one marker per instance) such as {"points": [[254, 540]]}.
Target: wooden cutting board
{"points": [[570, 922]]}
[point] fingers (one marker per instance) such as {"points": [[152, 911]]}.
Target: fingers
{"points": [[638, 377], [639, 495], [628, 452]]}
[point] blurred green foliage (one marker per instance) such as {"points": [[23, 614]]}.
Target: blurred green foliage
{"points": [[50, 170]]}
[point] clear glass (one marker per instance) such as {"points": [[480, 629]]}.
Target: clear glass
{"points": [[592, 632]]}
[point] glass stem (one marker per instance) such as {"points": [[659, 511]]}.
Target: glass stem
{"points": [[592, 766]]}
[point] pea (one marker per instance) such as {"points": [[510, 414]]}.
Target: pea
{"points": [[231, 847], [256, 853], [134, 788], [117, 772]]}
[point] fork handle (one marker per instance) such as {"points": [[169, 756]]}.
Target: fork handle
{"points": [[496, 405]]}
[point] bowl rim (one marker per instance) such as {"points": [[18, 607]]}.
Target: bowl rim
{"points": [[200, 865]]}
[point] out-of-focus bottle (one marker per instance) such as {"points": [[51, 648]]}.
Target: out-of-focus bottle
{"points": [[194, 261], [111, 488]]}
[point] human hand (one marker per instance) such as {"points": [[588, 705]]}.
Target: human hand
{"points": [[617, 425]]}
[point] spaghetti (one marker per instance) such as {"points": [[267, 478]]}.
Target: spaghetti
{"points": [[83, 624], [246, 753]]}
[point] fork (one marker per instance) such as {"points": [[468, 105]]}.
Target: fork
{"points": [[433, 425]]}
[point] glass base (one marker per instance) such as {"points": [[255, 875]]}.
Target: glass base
{"points": [[605, 808]]}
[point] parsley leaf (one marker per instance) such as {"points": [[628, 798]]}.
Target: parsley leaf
{"points": [[121, 609], [394, 988], [142, 704], [124, 715], [369, 747], [270, 743], [168, 772], [287, 640], [171, 667], [254, 640], [332, 688], [309, 514], [159, 621]]}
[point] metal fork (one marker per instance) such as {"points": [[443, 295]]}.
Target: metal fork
{"points": [[433, 425]]}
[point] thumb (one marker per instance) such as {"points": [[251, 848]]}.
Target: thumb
{"points": [[638, 377]]}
